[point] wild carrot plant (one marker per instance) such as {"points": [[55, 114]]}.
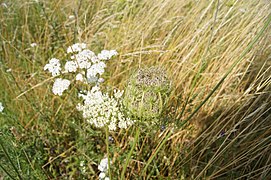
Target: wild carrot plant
{"points": [[185, 96]]}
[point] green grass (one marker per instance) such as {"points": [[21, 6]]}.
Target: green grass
{"points": [[216, 53]]}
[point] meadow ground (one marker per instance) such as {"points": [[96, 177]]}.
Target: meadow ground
{"points": [[216, 124]]}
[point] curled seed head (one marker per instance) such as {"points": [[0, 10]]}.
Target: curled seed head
{"points": [[147, 92]]}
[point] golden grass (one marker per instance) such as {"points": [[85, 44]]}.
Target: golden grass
{"points": [[196, 41]]}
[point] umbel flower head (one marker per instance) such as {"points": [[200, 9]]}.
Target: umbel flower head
{"points": [[147, 93], [87, 66], [101, 110]]}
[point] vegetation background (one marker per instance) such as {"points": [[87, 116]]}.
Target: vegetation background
{"points": [[217, 54]]}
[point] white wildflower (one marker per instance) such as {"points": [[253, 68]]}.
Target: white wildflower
{"points": [[82, 163], [103, 166], [112, 125], [95, 69], [79, 77], [88, 55], [1, 107], [60, 85], [84, 58], [107, 54], [77, 47], [124, 123], [118, 93], [102, 110], [106, 178], [101, 80], [8, 70], [33, 44], [102, 175], [53, 67], [71, 66]]}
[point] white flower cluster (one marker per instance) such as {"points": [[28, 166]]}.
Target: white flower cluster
{"points": [[107, 54], [103, 167], [102, 110], [77, 47], [98, 108], [83, 167], [60, 85], [1, 107], [84, 62], [53, 67]]}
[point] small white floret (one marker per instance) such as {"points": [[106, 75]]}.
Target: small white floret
{"points": [[33, 44], [102, 175], [53, 67], [60, 85], [79, 77], [118, 93], [107, 54], [1, 107], [77, 47], [71, 66]]}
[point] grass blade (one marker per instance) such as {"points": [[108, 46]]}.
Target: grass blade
{"points": [[9, 159], [249, 47], [130, 154]]}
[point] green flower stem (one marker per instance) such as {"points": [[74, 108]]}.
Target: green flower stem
{"points": [[130, 154], [107, 150], [156, 152]]}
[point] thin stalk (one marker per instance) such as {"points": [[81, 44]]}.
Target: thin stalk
{"points": [[107, 150], [130, 153], [249, 47], [155, 153], [11, 162], [9, 175]]}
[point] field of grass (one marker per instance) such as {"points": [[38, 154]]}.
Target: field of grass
{"points": [[216, 124]]}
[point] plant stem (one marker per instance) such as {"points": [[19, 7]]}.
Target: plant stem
{"points": [[107, 150], [6, 172], [155, 153], [11, 162], [249, 47], [130, 153]]}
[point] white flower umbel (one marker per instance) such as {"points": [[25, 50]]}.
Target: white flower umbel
{"points": [[102, 110], [77, 47], [1, 107], [95, 69], [107, 54], [71, 66], [103, 167], [53, 67], [85, 58], [60, 85]]}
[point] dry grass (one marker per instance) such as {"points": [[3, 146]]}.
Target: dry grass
{"points": [[196, 41]]}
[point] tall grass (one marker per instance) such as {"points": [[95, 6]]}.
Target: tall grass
{"points": [[199, 44]]}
